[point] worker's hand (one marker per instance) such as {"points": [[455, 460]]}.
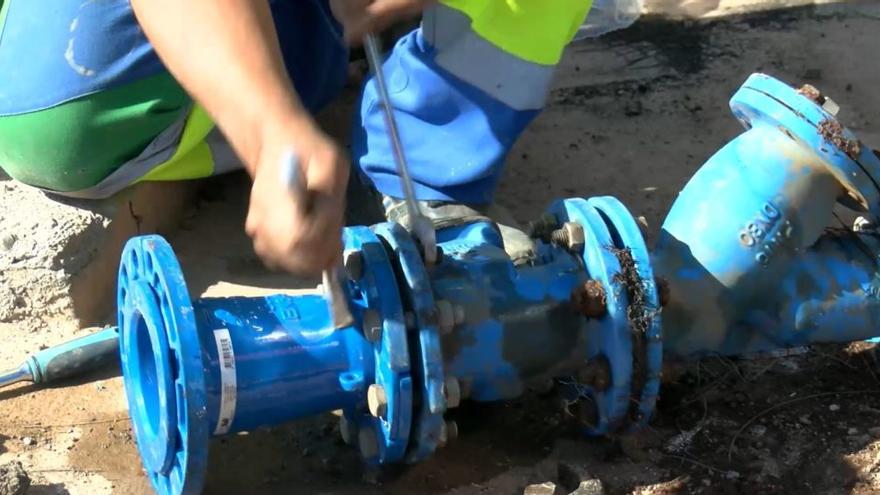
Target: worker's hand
{"points": [[299, 235], [359, 17]]}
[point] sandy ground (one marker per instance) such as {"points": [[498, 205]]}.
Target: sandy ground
{"points": [[633, 115]]}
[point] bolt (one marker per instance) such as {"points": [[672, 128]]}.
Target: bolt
{"points": [[368, 444], [831, 107], [862, 224], [596, 374], [452, 392], [445, 316], [589, 299], [813, 94], [451, 430], [448, 431], [643, 226], [543, 227], [354, 264], [372, 325], [377, 401], [347, 430], [570, 236]]}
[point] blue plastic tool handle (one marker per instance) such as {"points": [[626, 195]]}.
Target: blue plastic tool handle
{"points": [[76, 357]]}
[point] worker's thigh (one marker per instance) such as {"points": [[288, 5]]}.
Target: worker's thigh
{"points": [[84, 96]]}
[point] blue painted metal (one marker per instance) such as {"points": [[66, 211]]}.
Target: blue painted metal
{"points": [[167, 402], [644, 306], [415, 287], [746, 248], [377, 290], [750, 263], [520, 329]]}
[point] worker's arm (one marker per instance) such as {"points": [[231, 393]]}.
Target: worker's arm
{"points": [[226, 54]]}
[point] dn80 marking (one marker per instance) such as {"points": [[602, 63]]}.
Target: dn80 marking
{"points": [[760, 232]]}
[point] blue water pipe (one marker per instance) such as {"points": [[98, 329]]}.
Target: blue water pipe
{"points": [[744, 263]]}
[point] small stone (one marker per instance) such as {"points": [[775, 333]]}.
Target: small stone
{"points": [[7, 241], [852, 431], [14, 480], [28, 441], [805, 419], [547, 488], [307, 452], [834, 408], [731, 475], [590, 487]]}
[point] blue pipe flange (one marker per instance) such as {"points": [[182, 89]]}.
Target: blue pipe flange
{"points": [[644, 306], [426, 351], [383, 429], [798, 114], [602, 409], [162, 367]]}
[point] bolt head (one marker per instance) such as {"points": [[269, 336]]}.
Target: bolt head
{"points": [[377, 401]]}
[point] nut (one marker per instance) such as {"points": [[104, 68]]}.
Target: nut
{"points": [[589, 299], [377, 401], [452, 392], [372, 325], [448, 431], [445, 316], [354, 264], [571, 236]]}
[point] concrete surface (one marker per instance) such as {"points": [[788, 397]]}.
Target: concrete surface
{"points": [[633, 115]]}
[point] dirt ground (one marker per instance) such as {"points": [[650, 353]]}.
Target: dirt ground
{"points": [[633, 115]]}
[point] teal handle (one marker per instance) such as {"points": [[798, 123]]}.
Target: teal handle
{"points": [[76, 357]]}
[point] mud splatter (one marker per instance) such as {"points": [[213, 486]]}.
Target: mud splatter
{"points": [[810, 92], [639, 314], [832, 131]]}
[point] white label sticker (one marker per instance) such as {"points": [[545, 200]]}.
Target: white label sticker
{"points": [[228, 386]]}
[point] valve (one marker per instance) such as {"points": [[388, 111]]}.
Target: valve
{"points": [[745, 262], [475, 327], [752, 253]]}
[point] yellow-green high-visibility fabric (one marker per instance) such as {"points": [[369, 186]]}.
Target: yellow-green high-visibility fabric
{"points": [[192, 159], [534, 30]]}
